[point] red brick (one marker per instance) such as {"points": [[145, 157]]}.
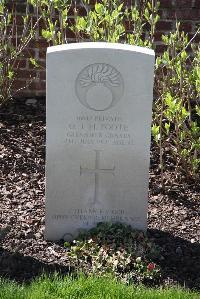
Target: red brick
{"points": [[41, 22], [15, 41], [41, 43], [11, 5], [70, 33], [18, 31], [160, 48], [196, 26], [130, 3], [183, 3], [24, 74], [80, 11], [147, 27], [166, 3], [42, 53], [39, 93], [29, 52], [186, 26], [158, 36], [37, 85], [19, 20], [72, 40], [42, 75], [36, 44], [17, 84], [92, 2], [21, 7], [164, 25], [196, 39], [128, 25], [20, 63], [30, 66], [197, 4], [185, 14], [161, 13]]}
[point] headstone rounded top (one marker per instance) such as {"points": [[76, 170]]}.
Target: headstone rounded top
{"points": [[100, 45]]}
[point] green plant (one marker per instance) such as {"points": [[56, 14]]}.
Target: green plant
{"points": [[103, 22], [106, 20], [14, 40], [116, 249], [109, 20], [139, 19], [176, 108], [83, 287], [175, 125], [55, 18]]}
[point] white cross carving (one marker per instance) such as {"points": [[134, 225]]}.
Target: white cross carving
{"points": [[97, 171]]}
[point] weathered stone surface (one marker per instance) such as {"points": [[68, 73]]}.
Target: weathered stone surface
{"points": [[99, 102]]}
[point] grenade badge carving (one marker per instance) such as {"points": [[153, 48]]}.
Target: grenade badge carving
{"points": [[99, 86]]}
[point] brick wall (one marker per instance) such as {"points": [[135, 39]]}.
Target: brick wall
{"points": [[185, 11]]}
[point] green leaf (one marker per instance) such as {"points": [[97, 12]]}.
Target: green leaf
{"points": [[184, 113], [47, 35], [10, 74], [167, 127], [156, 132], [120, 7], [197, 108], [184, 55], [98, 8], [34, 62], [67, 244], [81, 24], [146, 14], [2, 7]]}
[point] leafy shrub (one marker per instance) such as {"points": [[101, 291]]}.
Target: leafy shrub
{"points": [[175, 118], [105, 21], [116, 249], [176, 112], [55, 18]]}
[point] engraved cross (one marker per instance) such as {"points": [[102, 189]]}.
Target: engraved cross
{"points": [[97, 171]]}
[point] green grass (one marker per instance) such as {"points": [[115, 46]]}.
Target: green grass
{"points": [[86, 288]]}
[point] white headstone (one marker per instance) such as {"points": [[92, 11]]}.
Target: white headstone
{"points": [[99, 106]]}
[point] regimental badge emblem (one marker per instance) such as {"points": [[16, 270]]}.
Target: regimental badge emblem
{"points": [[99, 86]]}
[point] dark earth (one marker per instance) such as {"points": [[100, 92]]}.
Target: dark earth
{"points": [[173, 213]]}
